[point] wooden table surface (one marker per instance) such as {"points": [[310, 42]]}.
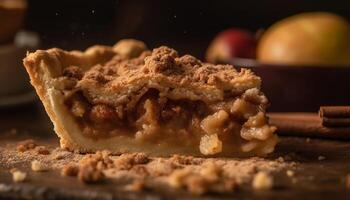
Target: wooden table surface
{"points": [[317, 179]]}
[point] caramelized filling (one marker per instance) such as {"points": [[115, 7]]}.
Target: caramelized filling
{"points": [[156, 119], [150, 114], [238, 121]]}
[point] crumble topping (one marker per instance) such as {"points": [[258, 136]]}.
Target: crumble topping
{"points": [[165, 70]]}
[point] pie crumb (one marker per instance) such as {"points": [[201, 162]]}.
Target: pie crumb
{"points": [[137, 185], [18, 176], [89, 174], [290, 173], [26, 145], [92, 165], [208, 179], [262, 181], [127, 161], [42, 150], [38, 166], [70, 170]]}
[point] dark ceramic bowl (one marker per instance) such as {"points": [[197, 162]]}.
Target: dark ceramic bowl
{"points": [[301, 88]]}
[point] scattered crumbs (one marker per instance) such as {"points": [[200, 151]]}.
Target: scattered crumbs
{"points": [[209, 178], [192, 174], [70, 170], [19, 176], [290, 173], [127, 161], [38, 166], [262, 181], [26, 145], [91, 166], [60, 155], [90, 174], [136, 186], [42, 150], [321, 158]]}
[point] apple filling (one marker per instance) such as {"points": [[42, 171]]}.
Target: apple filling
{"points": [[236, 124]]}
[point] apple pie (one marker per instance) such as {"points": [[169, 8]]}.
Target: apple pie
{"points": [[126, 98]]}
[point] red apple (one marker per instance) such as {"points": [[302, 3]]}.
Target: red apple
{"points": [[232, 43]]}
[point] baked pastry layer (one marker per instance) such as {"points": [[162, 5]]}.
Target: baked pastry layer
{"points": [[128, 99]]}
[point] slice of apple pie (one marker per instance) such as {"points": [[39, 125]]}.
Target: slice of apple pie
{"points": [[128, 99]]}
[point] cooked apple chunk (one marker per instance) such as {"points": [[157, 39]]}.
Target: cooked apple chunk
{"points": [[155, 102]]}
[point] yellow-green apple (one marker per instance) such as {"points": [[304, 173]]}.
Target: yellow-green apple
{"points": [[316, 38]]}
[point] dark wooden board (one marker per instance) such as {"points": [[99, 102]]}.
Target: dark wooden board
{"points": [[317, 179]]}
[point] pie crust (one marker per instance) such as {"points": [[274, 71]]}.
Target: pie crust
{"points": [[128, 99]]}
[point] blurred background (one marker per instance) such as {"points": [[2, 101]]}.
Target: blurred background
{"points": [[304, 64], [188, 26]]}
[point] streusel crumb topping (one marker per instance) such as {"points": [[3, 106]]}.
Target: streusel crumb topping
{"points": [[164, 70]]}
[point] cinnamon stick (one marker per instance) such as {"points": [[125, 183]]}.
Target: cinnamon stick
{"points": [[335, 111], [335, 122], [306, 125], [335, 116]]}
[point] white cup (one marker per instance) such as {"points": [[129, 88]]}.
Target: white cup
{"points": [[13, 78]]}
